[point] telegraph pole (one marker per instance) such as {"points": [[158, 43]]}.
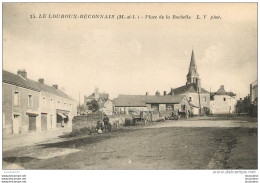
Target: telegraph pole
{"points": [[79, 98], [199, 101]]}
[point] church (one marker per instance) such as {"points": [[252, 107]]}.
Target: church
{"points": [[198, 97]]}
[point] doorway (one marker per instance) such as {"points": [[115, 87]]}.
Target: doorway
{"points": [[32, 123], [16, 124], [44, 122], [51, 121]]}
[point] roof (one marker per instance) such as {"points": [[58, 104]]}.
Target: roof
{"points": [[221, 91], [17, 80], [254, 83], [101, 95], [193, 67], [142, 100], [186, 88], [52, 90], [130, 101], [165, 99]]}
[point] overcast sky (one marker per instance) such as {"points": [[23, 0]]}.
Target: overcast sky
{"points": [[132, 56]]}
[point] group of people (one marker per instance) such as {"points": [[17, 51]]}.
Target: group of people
{"points": [[105, 125]]}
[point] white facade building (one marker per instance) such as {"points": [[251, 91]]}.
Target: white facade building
{"points": [[223, 102]]}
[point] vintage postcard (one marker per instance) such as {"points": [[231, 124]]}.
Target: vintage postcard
{"points": [[130, 86]]}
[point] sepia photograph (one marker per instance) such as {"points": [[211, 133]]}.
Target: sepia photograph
{"points": [[130, 86]]}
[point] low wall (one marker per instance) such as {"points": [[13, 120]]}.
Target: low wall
{"points": [[87, 124]]}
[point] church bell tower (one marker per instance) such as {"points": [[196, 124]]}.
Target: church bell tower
{"points": [[192, 76]]}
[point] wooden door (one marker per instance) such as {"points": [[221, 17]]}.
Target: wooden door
{"points": [[44, 122], [32, 123]]}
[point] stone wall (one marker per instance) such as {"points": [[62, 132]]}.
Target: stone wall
{"points": [[87, 124]]}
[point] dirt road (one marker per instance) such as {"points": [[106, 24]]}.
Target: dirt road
{"points": [[196, 143]]}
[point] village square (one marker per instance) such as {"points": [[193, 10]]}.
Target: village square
{"points": [[187, 127], [129, 86]]}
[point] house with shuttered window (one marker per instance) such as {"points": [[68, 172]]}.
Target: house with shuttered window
{"points": [[32, 106]]}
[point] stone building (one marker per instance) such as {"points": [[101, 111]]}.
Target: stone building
{"points": [[99, 97], [31, 106], [105, 105], [223, 102], [198, 97], [21, 104], [126, 103]]}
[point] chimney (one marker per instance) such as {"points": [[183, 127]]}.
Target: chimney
{"points": [[41, 80], [147, 93], [222, 87], [164, 93], [22, 73], [55, 86], [157, 93]]}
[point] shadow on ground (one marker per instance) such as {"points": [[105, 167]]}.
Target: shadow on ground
{"points": [[19, 159], [78, 142]]}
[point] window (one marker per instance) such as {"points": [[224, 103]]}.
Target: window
{"points": [[30, 101], [155, 107], [16, 98], [169, 107], [190, 99], [224, 99]]}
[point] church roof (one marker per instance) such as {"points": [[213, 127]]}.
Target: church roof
{"points": [[193, 68], [186, 88]]}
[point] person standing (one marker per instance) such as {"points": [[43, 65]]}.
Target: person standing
{"points": [[106, 123]]}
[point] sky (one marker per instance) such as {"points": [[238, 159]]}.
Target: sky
{"points": [[132, 56]]}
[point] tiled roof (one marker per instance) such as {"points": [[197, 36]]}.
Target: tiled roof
{"points": [[221, 91], [101, 95], [17, 80], [142, 100], [186, 88], [130, 101], [226, 93], [168, 99], [52, 90]]}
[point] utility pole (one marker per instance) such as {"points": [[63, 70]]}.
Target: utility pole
{"points": [[79, 98], [199, 101]]}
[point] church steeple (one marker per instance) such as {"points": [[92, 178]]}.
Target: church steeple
{"points": [[192, 75]]}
